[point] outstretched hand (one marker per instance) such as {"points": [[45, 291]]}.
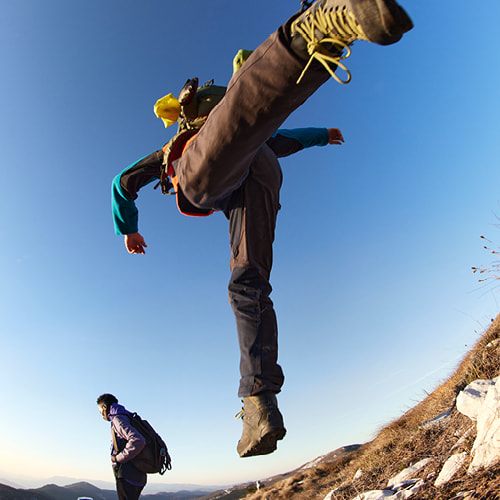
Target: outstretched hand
{"points": [[335, 136], [135, 243]]}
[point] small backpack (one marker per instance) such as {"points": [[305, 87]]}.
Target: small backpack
{"points": [[154, 458], [196, 103], [190, 110]]}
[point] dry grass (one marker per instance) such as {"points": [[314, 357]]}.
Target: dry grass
{"points": [[490, 272], [405, 441]]}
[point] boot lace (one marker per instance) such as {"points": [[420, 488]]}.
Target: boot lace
{"points": [[340, 28], [248, 400]]}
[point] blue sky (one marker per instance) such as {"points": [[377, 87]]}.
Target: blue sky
{"points": [[372, 280]]}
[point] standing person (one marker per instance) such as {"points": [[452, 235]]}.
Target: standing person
{"points": [[229, 165], [126, 444]]}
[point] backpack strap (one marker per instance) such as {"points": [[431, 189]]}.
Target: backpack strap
{"points": [[172, 151], [113, 438], [113, 434]]}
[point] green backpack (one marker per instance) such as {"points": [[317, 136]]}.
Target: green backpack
{"points": [[196, 103]]}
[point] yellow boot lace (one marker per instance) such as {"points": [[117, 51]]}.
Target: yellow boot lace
{"points": [[340, 28], [250, 399]]}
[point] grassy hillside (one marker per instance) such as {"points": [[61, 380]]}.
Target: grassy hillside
{"points": [[407, 441]]}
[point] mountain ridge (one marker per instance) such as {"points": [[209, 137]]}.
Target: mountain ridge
{"points": [[85, 489]]}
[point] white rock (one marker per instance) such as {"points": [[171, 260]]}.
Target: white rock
{"points": [[375, 495], [493, 343], [463, 494], [486, 449], [329, 496], [451, 466], [407, 473], [403, 494], [404, 485], [358, 474], [462, 440], [470, 400]]}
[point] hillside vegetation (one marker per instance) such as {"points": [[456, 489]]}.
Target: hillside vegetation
{"points": [[407, 441]]}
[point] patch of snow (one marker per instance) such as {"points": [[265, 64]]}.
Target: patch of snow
{"points": [[437, 421], [312, 463]]}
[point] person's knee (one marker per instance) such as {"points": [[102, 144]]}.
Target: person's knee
{"points": [[249, 282]]}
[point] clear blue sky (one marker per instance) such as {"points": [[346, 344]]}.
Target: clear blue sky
{"points": [[372, 280]]}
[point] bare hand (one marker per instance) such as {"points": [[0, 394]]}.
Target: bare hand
{"points": [[135, 243], [335, 136]]}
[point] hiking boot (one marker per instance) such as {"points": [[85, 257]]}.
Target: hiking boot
{"points": [[325, 29], [262, 425]]}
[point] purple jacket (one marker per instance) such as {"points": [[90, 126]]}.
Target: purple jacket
{"points": [[130, 441]]}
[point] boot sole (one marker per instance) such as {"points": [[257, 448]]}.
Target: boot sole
{"points": [[267, 443], [383, 21]]}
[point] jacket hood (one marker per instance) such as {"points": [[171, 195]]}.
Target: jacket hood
{"points": [[117, 409]]}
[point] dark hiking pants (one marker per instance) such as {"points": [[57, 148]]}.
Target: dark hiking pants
{"points": [[252, 211], [127, 491], [229, 160]]}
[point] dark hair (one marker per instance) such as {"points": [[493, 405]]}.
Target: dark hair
{"points": [[107, 399]]}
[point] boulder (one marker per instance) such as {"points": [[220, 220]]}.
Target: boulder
{"points": [[471, 399]]}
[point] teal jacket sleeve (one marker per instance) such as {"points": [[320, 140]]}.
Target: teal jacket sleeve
{"points": [[125, 187], [307, 137], [286, 142], [125, 213]]}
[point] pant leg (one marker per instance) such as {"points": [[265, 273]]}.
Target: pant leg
{"points": [[260, 96], [252, 219], [127, 491]]}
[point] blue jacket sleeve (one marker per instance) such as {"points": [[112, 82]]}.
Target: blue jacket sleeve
{"points": [[286, 142], [125, 213], [307, 137], [125, 187]]}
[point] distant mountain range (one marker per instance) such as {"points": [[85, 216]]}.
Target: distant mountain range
{"points": [[83, 489]]}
